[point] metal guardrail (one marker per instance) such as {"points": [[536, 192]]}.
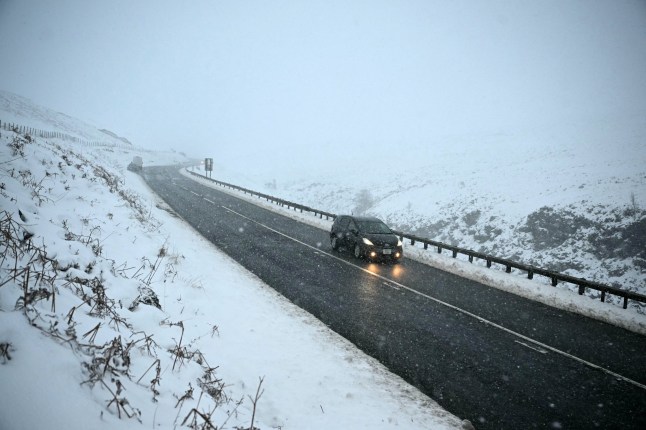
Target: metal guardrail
{"points": [[276, 200], [555, 277]]}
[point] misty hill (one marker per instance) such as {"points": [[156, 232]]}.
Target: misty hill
{"points": [[20, 110], [109, 133]]}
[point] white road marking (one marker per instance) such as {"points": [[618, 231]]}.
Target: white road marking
{"points": [[391, 285], [542, 351], [212, 202], [450, 306]]}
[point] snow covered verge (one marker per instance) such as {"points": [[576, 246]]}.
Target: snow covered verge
{"points": [[116, 314]]}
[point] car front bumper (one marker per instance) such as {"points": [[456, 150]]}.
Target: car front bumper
{"points": [[379, 253]]}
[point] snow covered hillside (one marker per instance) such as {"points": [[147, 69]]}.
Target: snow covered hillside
{"points": [[115, 314], [571, 198]]}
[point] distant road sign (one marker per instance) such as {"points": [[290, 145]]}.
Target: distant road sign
{"points": [[208, 166]]}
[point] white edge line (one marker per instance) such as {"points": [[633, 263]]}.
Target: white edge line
{"points": [[542, 351]]}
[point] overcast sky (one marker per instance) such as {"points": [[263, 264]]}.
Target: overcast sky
{"points": [[265, 76]]}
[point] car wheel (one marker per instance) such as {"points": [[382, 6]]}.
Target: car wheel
{"points": [[357, 251], [334, 242]]}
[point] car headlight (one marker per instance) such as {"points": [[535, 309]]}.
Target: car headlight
{"points": [[367, 241], [399, 242]]}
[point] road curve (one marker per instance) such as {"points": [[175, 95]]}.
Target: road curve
{"points": [[499, 360]]}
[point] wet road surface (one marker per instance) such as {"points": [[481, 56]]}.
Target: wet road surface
{"points": [[498, 360]]}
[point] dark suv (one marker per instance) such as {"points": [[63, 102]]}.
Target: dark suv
{"points": [[366, 237]]}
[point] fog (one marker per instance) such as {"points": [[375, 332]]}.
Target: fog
{"points": [[315, 83]]}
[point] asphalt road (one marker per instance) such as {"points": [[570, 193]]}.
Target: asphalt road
{"points": [[496, 359]]}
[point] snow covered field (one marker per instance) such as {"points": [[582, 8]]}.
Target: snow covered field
{"points": [[83, 343]]}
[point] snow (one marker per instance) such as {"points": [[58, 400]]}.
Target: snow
{"points": [[107, 231], [72, 344], [459, 133]]}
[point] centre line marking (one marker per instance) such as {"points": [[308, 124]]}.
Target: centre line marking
{"points": [[450, 306]]}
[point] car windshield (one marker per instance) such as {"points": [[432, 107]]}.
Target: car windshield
{"points": [[373, 227]]}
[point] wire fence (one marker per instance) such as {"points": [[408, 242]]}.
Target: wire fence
{"points": [[45, 134]]}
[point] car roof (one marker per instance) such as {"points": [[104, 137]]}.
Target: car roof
{"points": [[362, 218]]}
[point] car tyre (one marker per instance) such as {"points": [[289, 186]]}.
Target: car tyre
{"points": [[357, 251]]}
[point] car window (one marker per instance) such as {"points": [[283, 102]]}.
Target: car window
{"points": [[343, 224], [374, 227], [352, 225]]}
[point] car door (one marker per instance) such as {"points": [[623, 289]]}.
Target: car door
{"points": [[351, 233], [341, 229]]}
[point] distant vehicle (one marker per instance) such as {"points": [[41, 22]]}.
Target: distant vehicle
{"points": [[136, 165], [366, 237]]}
